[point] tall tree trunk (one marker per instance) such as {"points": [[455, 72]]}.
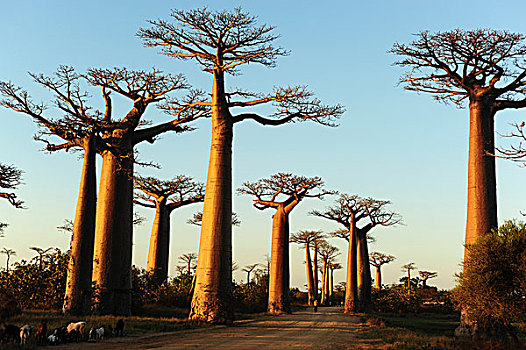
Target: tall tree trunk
{"points": [[315, 271], [331, 287], [364, 274], [310, 277], [482, 186], [159, 243], [379, 277], [324, 283], [212, 299], [114, 235], [77, 299], [279, 279], [351, 291]]}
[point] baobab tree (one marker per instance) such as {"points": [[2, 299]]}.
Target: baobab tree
{"points": [[8, 253], [486, 68], [327, 253], [164, 197], [408, 268], [305, 238], [187, 259], [378, 259], [281, 192], [10, 178], [248, 269], [332, 267], [348, 211], [41, 252], [221, 42], [425, 275]]}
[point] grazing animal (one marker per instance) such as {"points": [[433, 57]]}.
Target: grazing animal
{"points": [[41, 333], [11, 332], [96, 334], [78, 326], [25, 334], [74, 336], [53, 340], [61, 334], [119, 328]]}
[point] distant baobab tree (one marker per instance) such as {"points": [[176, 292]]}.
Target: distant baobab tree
{"points": [[281, 192], [197, 219], [378, 259], [332, 267], [8, 253], [221, 42], [41, 252], [164, 197], [348, 211], [306, 238], [486, 68], [408, 268], [327, 253], [10, 178], [187, 259], [425, 275], [248, 269]]}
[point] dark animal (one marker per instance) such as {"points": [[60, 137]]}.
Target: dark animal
{"points": [[74, 336], [11, 332], [41, 334], [61, 334], [119, 328]]}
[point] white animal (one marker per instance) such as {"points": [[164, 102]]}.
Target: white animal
{"points": [[52, 339], [78, 326], [96, 334], [25, 334]]}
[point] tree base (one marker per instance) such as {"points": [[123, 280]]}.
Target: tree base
{"points": [[276, 308], [77, 304], [112, 302], [211, 310]]}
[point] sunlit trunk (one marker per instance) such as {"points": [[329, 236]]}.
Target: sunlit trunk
{"points": [[364, 274], [114, 234], [279, 279], [159, 243], [351, 292], [331, 287], [482, 187], [324, 283], [77, 299], [315, 271], [310, 277], [212, 299], [379, 277]]}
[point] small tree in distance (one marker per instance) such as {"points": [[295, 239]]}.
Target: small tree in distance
{"points": [[425, 275], [378, 259], [408, 268], [8, 253]]}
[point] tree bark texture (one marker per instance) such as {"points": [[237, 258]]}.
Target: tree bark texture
{"points": [[351, 292], [482, 185], [158, 252], [310, 277], [279, 279], [212, 299], [77, 299], [315, 271], [364, 274], [378, 277], [114, 234]]}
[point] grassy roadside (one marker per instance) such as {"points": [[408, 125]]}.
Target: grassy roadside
{"points": [[423, 331]]}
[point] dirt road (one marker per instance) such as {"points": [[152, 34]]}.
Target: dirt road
{"points": [[329, 328]]}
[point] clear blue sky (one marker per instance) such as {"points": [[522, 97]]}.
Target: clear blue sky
{"points": [[391, 144]]}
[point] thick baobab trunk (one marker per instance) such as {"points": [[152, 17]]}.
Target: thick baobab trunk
{"points": [[351, 292], [364, 274], [113, 236], [378, 277], [482, 186], [331, 287], [212, 299], [310, 277], [77, 299], [323, 298], [159, 243], [279, 279]]}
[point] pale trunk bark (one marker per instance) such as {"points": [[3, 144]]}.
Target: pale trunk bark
{"points": [[351, 292], [482, 186], [158, 252], [378, 277], [114, 235], [310, 277], [279, 279], [364, 274], [77, 299], [212, 299]]}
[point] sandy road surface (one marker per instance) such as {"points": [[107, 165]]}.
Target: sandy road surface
{"points": [[329, 328]]}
